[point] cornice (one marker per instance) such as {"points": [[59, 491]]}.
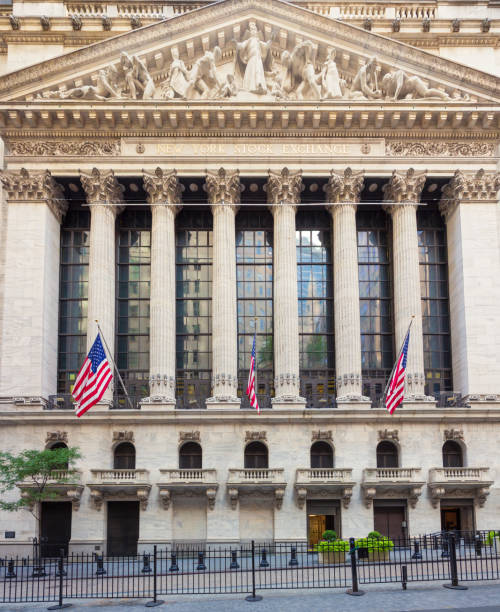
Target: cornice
{"points": [[139, 40]]}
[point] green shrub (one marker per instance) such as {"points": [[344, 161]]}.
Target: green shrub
{"points": [[329, 535], [373, 544], [490, 538], [333, 546], [374, 535]]}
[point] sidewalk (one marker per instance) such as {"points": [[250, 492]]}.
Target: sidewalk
{"points": [[422, 597]]}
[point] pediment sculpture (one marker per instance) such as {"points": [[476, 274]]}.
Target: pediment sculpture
{"points": [[248, 71]]}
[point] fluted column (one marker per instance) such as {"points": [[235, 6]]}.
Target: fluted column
{"points": [[104, 197], [283, 195], [164, 195], [223, 189], [343, 193], [469, 204], [402, 194]]}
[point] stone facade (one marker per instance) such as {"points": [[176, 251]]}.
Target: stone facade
{"points": [[299, 98]]}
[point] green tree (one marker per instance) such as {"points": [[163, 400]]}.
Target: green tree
{"points": [[37, 474]]}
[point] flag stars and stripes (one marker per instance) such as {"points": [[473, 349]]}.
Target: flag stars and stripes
{"points": [[252, 396], [396, 387], [92, 380]]}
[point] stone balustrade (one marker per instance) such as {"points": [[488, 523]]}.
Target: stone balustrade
{"points": [[459, 474], [391, 474], [70, 489], [405, 482], [189, 476], [336, 481], [324, 475], [118, 476], [265, 481], [256, 475], [463, 481]]}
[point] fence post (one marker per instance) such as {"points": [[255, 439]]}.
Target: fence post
{"points": [[404, 576], [263, 561], [417, 554], [453, 567], [293, 560], [234, 561], [478, 544], [10, 569], [354, 570], [146, 564], [173, 564], [155, 602], [61, 573], [253, 596]]}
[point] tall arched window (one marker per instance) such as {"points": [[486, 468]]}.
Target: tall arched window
{"points": [[190, 456], [321, 455], [56, 445], [452, 454], [124, 458], [256, 456], [387, 455]]}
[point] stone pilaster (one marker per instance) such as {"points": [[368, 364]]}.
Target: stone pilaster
{"points": [[402, 194], [164, 195], [283, 195], [343, 193], [223, 190], [469, 204], [104, 197], [32, 211]]}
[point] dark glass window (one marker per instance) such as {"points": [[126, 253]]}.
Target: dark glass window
{"points": [[256, 456], [435, 301], [452, 455], [254, 289], [387, 455], [63, 466], [321, 455], [190, 456], [375, 295], [124, 457], [134, 274], [194, 301], [315, 293], [73, 294]]}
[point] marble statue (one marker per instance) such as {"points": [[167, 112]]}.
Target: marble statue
{"points": [[365, 83], [137, 78], [332, 86], [176, 84], [203, 75], [300, 78], [253, 60], [228, 87], [106, 88], [398, 85]]}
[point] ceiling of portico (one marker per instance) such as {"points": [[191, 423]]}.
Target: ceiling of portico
{"points": [[249, 51]]}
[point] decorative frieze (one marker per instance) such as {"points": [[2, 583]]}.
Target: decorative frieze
{"points": [[76, 148], [56, 436], [453, 434], [431, 148], [388, 434], [322, 435], [253, 436], [27, 186], [123, 436], [189, 436]]}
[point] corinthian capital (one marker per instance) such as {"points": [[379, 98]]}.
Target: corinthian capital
{"points": [[102, 187], [344, 187], [223, 187], [469, 187], [24, 186], [284, 187], [162, 187], [404, 188]]}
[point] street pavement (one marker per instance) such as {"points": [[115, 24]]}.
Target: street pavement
{"points": [[424, 597]]}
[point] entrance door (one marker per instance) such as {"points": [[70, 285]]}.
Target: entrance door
{"points": [[123, 528], [55, 528], [317, 525], [390, 521], [450, 519]]}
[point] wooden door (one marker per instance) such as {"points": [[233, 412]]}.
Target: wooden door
{"points": [[317, 525], [389, 521], [55, 528], [123, 528], [450, 519]]}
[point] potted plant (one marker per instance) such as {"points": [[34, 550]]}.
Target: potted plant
{"points": [[493, 539], [330, 549], [377, 545]]}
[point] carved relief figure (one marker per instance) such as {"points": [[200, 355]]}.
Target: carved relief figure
{"points": [[104, 89], [203, 76], [137, 77], [228, 88], [253, 60], [332, 86], [365, 82], [176, 84], [300, 75], [399, 86]]}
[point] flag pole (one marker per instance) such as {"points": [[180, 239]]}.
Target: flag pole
{"points": [[255, 364], [114, 364], [384, 396]]}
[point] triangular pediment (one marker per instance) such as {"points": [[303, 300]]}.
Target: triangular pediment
{"points": [[249, 51]]}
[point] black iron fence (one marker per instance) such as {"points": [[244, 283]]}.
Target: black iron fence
{"points": [[178, 569]]}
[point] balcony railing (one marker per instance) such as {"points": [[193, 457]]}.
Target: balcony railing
{"points": [[323, 475], [459, 474], [391, 474], [256, 475], [188, 476], [120, 476]]}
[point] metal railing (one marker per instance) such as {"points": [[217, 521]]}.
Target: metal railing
{"points": [[195, 569]]}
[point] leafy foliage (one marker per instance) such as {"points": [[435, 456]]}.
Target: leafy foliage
{"points": [[492, 535], [381, 543], [39, 472], [333, 546], [329, 535]]}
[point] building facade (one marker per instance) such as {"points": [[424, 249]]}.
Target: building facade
{"points": [[314, 174]]}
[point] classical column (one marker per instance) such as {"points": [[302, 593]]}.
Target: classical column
{"points": [[283, 195], [402, 194], [469, 204], [343, 191], [164, 195], [104, 197], [223, 190], [29, 259]]}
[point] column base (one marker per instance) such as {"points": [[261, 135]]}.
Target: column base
{"points": [[353, 402], [225, 402], [158, 403], [288, 402], [353, 398], [419, 398], [103, 406]]}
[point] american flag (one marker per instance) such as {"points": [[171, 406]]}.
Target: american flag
{"points": [[251, 381], [396, 386], [93, 379]]}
